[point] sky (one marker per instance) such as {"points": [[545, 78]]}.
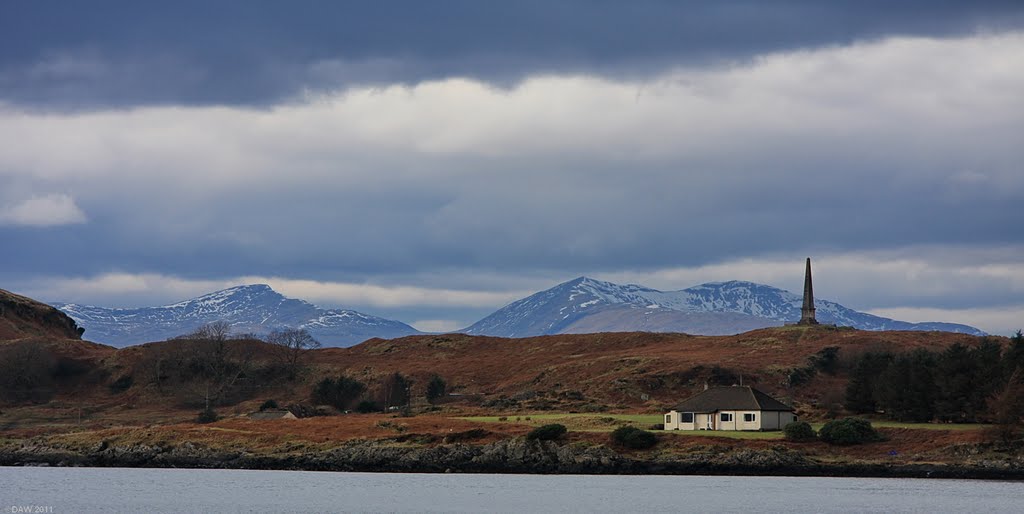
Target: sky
{"points": [[433, 161]]}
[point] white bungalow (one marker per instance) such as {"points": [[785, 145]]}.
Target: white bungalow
{"points": [[730, 408]]}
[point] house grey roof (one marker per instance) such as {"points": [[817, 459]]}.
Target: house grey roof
{"points": [[272, 414], [731, 398]]}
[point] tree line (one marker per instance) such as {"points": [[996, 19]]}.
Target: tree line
{"points": [[392, 391], [959, 384]]}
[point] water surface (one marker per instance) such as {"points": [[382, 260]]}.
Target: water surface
{"points": [[67, 490]]}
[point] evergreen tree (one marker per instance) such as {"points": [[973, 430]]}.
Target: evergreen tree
{"points": [[988, 379], [956, 373], [436, 388], [862, 390], [1013, 359], [893, 388], [919, 406], [340, 393]]}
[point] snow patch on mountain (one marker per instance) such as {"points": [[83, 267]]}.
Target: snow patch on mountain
{"points": [[254, 309], [555, 310]]}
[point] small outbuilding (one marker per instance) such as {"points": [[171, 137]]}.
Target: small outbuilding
{"points": [[272, 414], [730, 408]]}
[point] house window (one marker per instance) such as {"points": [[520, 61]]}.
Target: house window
{"points": [[686, 417], [725, 417], [668, 419], [749, 417]]}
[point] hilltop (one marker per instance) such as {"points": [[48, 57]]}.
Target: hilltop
{"points": [[22, 317]]}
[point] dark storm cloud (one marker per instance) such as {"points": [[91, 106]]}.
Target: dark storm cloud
{"points": [[110, 53]]}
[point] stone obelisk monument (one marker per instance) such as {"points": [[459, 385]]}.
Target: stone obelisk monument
{"points": [[807, 312]]}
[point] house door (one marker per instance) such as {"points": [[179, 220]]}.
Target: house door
{"points": [[711, 421]]}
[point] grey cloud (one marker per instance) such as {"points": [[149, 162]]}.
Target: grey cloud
{"points": [[118, 53], [553, 178]]}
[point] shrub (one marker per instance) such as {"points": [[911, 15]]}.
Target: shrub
{"points": [[848, 431], [67, 368], [269, 404], [635, 438], [397, 427], [338, 393], [473, 433], [547, 432], [800, 376], [121, 384], [503, 418], [799, 431], [207, 416], [436, 388], [367, 406]]}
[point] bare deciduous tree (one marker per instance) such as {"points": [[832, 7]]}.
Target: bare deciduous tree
{"points": [[215, 331], [395, 390], [292, 344], [26, 372], [207, 367], [1007, 408]]}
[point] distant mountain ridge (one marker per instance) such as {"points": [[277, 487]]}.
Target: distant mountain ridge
{"points": [[715, 308], [251, 308], [582, 305]]}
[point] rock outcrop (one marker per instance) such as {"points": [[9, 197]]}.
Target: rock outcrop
{"points": [[516, 455]]}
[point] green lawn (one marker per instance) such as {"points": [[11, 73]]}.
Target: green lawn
{"points": [[925, 426], [538, 419], [726, 433], [607, 422]]}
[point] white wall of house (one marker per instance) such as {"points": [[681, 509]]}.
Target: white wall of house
{"points": [[673, 421], [740, 420], [704, 421], [776, 420]]}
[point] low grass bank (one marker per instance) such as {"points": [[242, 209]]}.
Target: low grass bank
{"points": [[609, 422]]}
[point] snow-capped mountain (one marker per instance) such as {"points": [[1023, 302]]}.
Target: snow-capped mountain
{"points": [[588, 305], [249, 309]]}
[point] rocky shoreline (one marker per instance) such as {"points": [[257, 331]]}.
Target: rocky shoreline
{"points": [[507, 456]]}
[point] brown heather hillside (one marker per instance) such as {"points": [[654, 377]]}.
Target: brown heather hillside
{"points": [[66, 401], [623, 372], [633, 370], [22, 317]]}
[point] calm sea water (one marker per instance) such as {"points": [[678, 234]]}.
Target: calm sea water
{"points": [[74, 490]]}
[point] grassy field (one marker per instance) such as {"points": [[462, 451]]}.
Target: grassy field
{"points": [[924, 426], [609, 422], [537, 419]]}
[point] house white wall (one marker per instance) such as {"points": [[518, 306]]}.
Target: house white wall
{"points": [[672, 422], [763, 420], [704, 421], [777, 420]]}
